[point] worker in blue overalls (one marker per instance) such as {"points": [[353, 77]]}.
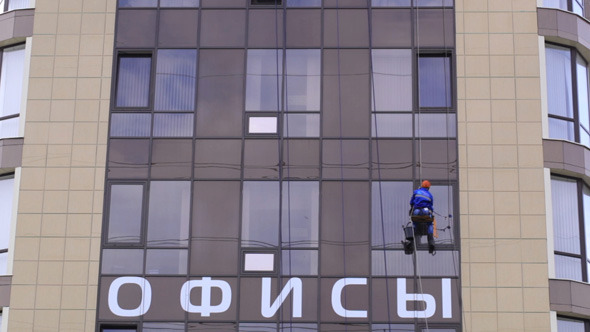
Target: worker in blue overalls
{"points": [[421, 213]]}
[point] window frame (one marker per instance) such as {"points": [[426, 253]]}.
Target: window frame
{"points": [[16, 115], [7, 249], [584, 255], [575, 120], [584, 321], [151, 82]]}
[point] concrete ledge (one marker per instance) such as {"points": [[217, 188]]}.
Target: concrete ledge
{"points": [[16, 25], [564, 28], [5, 283], [567, 158], [11, 153], [571, 298]]}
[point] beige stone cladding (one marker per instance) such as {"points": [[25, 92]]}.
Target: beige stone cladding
{"points": [[60, 207], [503, 234]]}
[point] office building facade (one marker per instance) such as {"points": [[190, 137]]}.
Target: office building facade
{"points": [[246, 165]]}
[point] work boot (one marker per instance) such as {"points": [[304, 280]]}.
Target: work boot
{"points": [[431, 247], [408, 247]]}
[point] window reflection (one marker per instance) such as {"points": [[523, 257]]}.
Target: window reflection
{"points": [[434, 81], [176, 73], [133, 81], [6, 198], [169, 213], [264, 80], [260, 214], [125, 212], [392, 80], [11, 84]]}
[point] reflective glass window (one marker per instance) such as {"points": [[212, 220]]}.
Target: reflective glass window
{"points": [[166, 261], [169, 213], [179, 3], [17, 4], [160, 327], [570, 325], [133, 81], [138, 3], [304, 3], [392, 80], [264, 81], [122, 261], [559, 81], [389, 211], [11, 85], [303, 73], [576, 6], [176, 76], [391, 125], [300, 214], [125, 213], [301, 125], [131, 124], [434, 81], [6, 200], [391, 3], [299, 262], [583, 106], [298, 327], [260, 214], [173, 124]]}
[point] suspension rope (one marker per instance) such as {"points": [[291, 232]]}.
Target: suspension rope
{"points": [[341, 152], [376, 140]]}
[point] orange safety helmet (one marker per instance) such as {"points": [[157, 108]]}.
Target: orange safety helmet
{"points": [[425, 184]]}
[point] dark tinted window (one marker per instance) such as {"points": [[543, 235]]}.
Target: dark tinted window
{"points": [[133, 81], [125, 213], [169, 208], [434, 74]]}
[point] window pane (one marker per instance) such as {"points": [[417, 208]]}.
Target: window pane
{"points": [[301, 125], [17, 4], [260, 214], [3, 264], [9, 127], [122, 261], [208, 327], [264, 80], [303, 80], [434, 81], [173, 125], [445, 263], [389, 212], [262, 125], [392, 328], [138, 3], [133, 84], [568, 267], [11, 79], [176, 74], [561, 4], [443, 207], [166, 261], [391, 3], [569, 325], [125, 211], [304, 3], [435, 125], [391, 125], [566, 227], [298, 327], [578, 7], [179, 3], [6, 197], [586, 200], [561, 129], [299, 262], [392, 80], [559, 81], [161, 327], [169, 211], [434, 3], [300, 217], [258, 327], [131, 124]]}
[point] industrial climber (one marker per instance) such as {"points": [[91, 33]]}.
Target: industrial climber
{"points": [[421, 213]]}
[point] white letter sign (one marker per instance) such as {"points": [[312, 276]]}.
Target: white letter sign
{"points": [[205, 309], [403, 298], [146, 296], [337, 298], [293, 284]]}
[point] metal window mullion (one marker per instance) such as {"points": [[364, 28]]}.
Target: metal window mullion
{"points": [[583, 252], [574, 63]]}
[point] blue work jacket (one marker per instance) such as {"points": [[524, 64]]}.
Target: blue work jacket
{"points": [[422, 198]]}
